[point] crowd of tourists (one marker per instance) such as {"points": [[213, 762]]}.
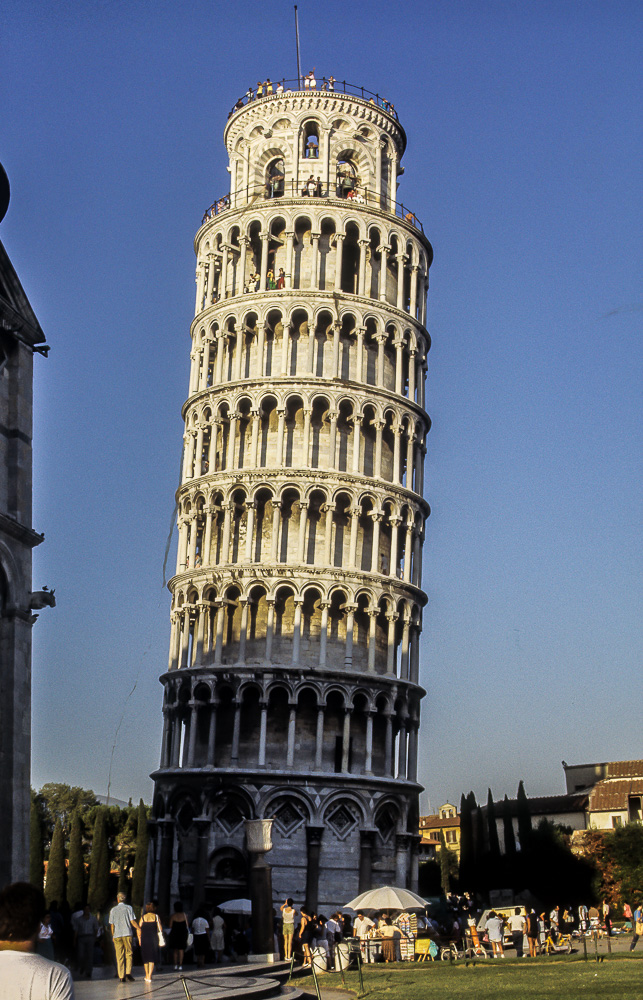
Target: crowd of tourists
{"points": [[32, 935]]}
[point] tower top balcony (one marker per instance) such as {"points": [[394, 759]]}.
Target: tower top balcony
{"points": [[269, 100]]}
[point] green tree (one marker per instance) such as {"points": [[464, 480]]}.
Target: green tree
{"points": [[508, 828], [492, 829], [524, 818], [61, 801], [36, 842], [99, 865], [466, 842], [448, 865], [55, 884], [76, 870], [617, 856], [140, 861]]}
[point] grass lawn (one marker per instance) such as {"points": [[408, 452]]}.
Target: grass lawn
{"points": [[562, 979]]}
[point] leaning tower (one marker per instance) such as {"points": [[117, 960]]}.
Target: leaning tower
{"points": [[292, 686]]}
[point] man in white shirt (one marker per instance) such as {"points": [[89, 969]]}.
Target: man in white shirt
{"points": [[23, 974], [517, 924], [121, 922], [362, 925]]}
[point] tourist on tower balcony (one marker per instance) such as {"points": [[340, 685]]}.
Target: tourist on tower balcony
{"points": [[281, 279]]}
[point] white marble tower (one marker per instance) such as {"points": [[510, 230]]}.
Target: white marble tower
{"points": [[292, 685]]}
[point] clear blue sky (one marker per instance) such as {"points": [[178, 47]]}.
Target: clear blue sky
{"points": [[524, 161]]}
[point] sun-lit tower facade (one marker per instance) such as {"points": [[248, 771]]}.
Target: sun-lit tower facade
{"points": [[292, 686]]}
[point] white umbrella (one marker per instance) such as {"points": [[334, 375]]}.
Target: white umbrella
{"points": [[387, 897], [243, 906]]}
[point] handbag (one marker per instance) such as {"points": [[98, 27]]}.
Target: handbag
{"points": [[160, 933], [190, 939]]}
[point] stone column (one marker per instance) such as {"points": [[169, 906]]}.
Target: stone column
{"points": [[296, 636], [402, 843], [218, 376], [415, 652], [346, 741], [261, 343], [238, 357], [412, 364], [368, 763], [292, 722], [212, 735], [301, 538], [193, 732], [165, 866], [404, 662], [352, 555], [407, 551], [360, 331], [401, 750], [232, 440], [390, 644], [270, 625], [393, 184], [412, 774], [223, 291], [399, 365], [379, 427], [332, 439], [202, 824], [414, 291], [218, 642], [372, 635], [363, 247], [337, 332], [339, 243], [260, 879], [366, 845], [323, 634], [381, 341], [290, 238], [264, 237], [376, 516], [227, 526], [319, 738], [198, 303], [243, 259], [314, 275], [384, 252], [263, 729], [281, 413], [285, 343], [236, 733], [350, 619], [357, 426], [328, 509], [314, 836], [207, 541], [274, 540], [254, 440], [396, 520], [305, 451], [401, 261], [388, 745]]}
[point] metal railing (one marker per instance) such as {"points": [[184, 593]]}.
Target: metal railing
{"points": [[277, 187], [306, 85]]}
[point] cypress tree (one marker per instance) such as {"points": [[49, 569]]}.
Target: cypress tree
{"points": [[492, 829], [140, 858], [76, 870], [36, 846], [55, 885], [479, 838], [466, 841], [445, 873], [508, 828], [524, 819], [98, 894]]}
